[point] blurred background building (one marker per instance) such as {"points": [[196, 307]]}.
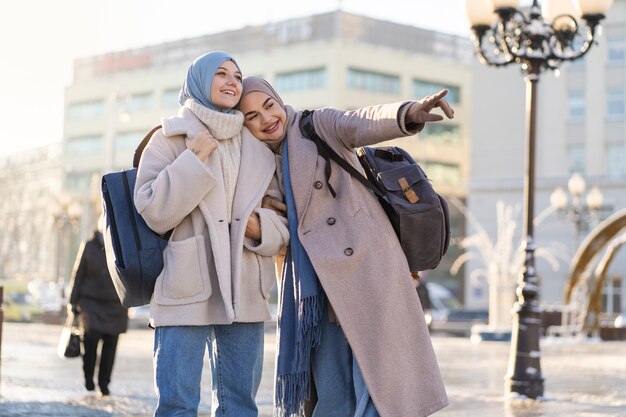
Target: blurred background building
{"points": [[335, 59], [347, 61]]}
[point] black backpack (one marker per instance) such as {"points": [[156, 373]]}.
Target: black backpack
{"points": [[419, 215], [134, 252]]}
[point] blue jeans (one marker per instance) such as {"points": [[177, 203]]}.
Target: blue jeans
{"points": [[236, 356], [340, 388]]}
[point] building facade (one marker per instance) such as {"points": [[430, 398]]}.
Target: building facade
{"points": [[30, 182]]}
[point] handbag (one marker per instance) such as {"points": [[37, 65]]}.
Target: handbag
{"points": [[69, 343]]}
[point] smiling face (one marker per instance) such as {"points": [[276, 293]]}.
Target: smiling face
{"points": [[263, 116], [226, 86]]}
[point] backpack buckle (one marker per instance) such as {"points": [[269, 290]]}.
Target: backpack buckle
{"points": [[408, 192]]}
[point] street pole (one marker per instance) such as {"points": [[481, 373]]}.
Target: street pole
{"points": [[505, 35], [524, 371]]}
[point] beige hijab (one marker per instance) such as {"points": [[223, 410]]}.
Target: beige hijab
{"points": [[254, 83]]}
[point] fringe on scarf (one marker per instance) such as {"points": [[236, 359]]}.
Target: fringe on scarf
{"points": [[308, 333], [294, 388]]}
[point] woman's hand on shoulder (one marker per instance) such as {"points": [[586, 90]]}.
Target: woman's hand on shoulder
{"points": [[202, 144]]}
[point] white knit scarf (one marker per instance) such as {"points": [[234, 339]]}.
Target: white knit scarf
{"points": [[226, 128]]}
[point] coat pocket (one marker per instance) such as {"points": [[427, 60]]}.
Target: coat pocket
{"points": [[257, 275], [185, 278]]}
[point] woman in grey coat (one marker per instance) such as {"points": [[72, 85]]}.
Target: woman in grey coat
{"points": [[350, 319]]}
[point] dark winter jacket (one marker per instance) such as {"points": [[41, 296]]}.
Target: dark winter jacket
{"points": [[93, 291]]}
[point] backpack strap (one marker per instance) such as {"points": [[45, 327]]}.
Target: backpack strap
{"points": [[137, 158], [142, 145], [308, 131]]}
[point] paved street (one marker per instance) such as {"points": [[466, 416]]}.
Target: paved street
{"points": [[582, 380]]}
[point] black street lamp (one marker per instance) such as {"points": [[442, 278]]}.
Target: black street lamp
{"points": [[503, 35], [580, 213]]}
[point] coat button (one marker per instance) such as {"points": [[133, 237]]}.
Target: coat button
{"points": [[331, 221], [348, 252], [318, 185]]}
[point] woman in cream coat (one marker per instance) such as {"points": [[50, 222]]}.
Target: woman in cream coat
{"points": [[218, 267], [352, 251]]}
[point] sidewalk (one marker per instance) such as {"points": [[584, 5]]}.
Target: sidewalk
{"points": [[582, 380]]}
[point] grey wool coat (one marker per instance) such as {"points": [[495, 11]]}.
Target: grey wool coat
{"points": [[360, 264], [212, 273]]}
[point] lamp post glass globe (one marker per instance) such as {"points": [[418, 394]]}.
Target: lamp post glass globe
{"points": [[576, 185], [595, 199], [558, 198]]}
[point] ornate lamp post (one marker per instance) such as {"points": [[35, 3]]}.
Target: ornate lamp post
{"points": [[504, 35], [578, 213]]}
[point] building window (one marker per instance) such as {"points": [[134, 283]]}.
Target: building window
{"points": [[301, 80], [85, 110], [616, 50], [84, 145], [615, 103], [612, 293], [441, 173], [373, 81], [576, 159], [576, 104], [133, 103], [125, 141], [426, 88], [169, 99], [79, 181], [616, 160], [441, 133]]}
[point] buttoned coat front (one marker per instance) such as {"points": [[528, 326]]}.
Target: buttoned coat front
{"points": [[212, 274], [360, 263]]}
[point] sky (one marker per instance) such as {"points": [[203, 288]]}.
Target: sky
{"points": [[39, 39]]}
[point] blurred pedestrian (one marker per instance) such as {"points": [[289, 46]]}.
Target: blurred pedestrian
{"points": [[101, 315]]}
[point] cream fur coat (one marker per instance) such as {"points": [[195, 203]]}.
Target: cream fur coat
{"points": [[212, 274]]}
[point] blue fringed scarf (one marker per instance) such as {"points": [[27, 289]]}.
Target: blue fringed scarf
{"points": [[300, 314]]}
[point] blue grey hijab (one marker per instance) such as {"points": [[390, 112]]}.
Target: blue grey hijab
{"points": [[197, 85]]}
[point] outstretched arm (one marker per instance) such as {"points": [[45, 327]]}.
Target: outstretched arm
{"points": [[371, 125]]}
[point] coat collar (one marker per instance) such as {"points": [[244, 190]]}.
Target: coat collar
{"points": [[186, 123], [257, 162]]}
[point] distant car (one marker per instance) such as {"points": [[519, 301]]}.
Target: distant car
{"points": [[139, 317], [442, 301], [459, 322], [447, 314], [20, 305]]}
